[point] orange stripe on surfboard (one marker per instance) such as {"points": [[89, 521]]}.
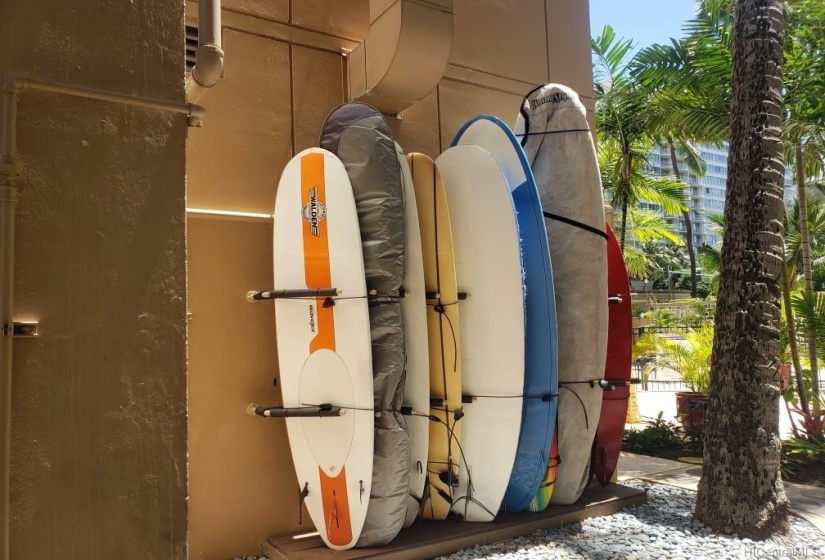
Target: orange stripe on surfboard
{"points": [[318, 275], [316, 245], [336, 507]]}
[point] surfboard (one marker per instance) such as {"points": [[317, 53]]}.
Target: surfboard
{"points": [[489, 271], [555, 135], [538, 420], [542, 498], [417, 385], [444, 329], [361, 138], [618, 364], [324, 350]]}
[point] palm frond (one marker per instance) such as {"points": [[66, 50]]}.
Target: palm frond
{"points": [[665, 191], [810, 309], [637, 264], [611, 55], [647, 226], [710, 258]]}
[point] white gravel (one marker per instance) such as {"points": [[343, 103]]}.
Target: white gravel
{"points": [[661, 529]]}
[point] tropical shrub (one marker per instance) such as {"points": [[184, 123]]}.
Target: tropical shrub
{"points": [[690, 357], [659, 435]]}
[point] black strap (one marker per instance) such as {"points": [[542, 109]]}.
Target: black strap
{"points": [[549, 132], [585, 227]]}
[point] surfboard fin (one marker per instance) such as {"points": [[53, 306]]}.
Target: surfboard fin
{"points": [[302, 494]]}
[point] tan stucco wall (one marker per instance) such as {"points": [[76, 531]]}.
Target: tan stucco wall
{"points": [[99, 418], [284, 73]]}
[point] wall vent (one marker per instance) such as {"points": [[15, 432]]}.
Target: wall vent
{"points": [[191, 46]]}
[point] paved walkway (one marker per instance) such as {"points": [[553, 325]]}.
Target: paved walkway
{"points": [[651, 403], [807, 502]]}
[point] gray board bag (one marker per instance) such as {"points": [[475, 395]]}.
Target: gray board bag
{"points": [[358, 134]]}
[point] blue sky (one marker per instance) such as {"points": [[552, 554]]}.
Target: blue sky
{"points": [[644, 21]]}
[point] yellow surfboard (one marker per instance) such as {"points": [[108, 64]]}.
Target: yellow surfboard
{"points": [[443, 461]]}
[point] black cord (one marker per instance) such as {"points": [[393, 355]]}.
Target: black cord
{"points": [[468, 496], [451, 436], [584, 408], [440, 308], [552, 463], [546, 398], [333, 299], [362, 409]]}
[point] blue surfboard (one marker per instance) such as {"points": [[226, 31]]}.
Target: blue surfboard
{"points": [[541, 377]]}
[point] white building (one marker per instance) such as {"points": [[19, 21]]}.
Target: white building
{"points": [[707, 193]]}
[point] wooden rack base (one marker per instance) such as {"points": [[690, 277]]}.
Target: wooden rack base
{"points": [[429, 539]]}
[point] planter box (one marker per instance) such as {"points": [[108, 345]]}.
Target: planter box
{"points": [[641, 322], [690, 409]]}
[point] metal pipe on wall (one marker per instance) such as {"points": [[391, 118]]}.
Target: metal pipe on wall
{"points": [[196, 113], [208, 67], [8, 199]]}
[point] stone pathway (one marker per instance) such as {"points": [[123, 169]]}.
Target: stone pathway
{"points": [[807, 502]]}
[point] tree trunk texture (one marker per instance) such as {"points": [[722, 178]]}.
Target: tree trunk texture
{"points": [[741, 489], [688, 224], [805, 239], [623, 233], [624, 189]]}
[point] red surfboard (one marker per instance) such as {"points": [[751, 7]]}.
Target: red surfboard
{"points": [[617, 366]]}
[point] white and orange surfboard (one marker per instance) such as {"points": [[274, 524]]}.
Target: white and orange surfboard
{"points": [[324, 349]]}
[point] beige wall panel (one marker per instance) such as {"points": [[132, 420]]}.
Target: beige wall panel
{"points": [[460, 102], [378, 7], [242, 486], [277, 10], [317, 89], [348, 18], [234, 161], [98, 449], [568, 32], [502, 37], [417, 130], [98, 467]]}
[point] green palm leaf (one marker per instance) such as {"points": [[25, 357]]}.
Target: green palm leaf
{"points": [[647, 226]]}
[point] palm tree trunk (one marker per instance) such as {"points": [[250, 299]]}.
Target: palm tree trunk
{"points": [[805, 235], [623, 233], [789, 324], [741, 489], [624, 189], [688, 225]]}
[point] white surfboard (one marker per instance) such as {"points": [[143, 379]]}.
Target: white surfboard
{"points": [[489, 271], [324, 350], [538, 420], [417, 385]]}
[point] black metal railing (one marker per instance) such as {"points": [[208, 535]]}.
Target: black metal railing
{"points": [[639, 331]]}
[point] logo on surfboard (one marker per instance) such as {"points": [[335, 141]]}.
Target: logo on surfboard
{"points": [[311, 317], [557, 97], [314, 212]]}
